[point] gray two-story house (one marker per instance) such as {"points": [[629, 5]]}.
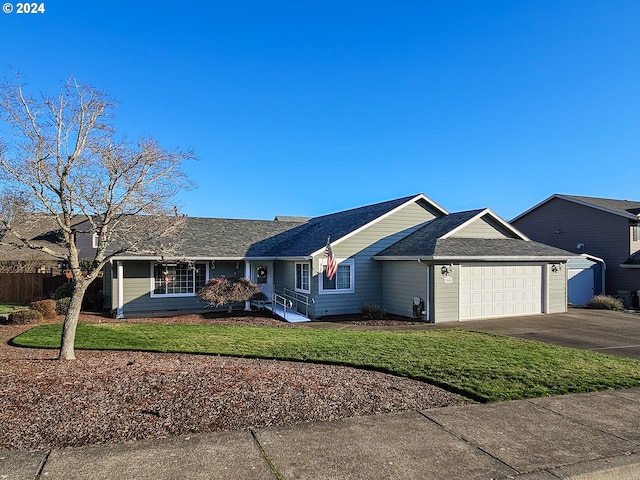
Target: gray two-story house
{"points": [[602, 227]]}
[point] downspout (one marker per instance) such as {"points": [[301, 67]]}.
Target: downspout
{"points": [[427, 303], [120, 273], [247, 275]]}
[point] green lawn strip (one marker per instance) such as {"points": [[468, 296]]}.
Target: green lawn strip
{"points": [[6, 308], [481, 366]]}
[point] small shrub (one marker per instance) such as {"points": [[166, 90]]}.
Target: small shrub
{"points": [[220, 291], [24, 317], [373, 312], [64, 291], [86, 264], [46, 307], [62, 305], [605, 302]]}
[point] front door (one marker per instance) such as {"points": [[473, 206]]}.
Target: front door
{"points": [[262, 275]]}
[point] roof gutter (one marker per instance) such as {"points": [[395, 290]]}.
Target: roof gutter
{"points": [[475, 258], [157, 258]]}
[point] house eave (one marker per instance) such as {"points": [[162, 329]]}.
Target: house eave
{"points": [[402, 258], [157, 258], [506, 258], [298, 258], [578, 202], [459, 259]]}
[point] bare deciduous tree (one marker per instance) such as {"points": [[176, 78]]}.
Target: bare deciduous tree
{"points": [[60, 156]]}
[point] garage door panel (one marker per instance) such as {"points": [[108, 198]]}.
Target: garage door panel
{"points": [[500, 290]]}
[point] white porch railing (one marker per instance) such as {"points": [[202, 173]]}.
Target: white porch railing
{"points": [[292, 304]]}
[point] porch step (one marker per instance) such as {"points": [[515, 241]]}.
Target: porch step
{"points": [[290, 316]]}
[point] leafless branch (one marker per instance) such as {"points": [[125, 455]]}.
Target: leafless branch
{"points": [[63, 157]]}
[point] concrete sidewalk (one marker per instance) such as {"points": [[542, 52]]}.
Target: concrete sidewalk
{"points": [[581, 437]]}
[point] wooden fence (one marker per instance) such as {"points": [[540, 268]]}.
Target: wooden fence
{"points": [[28, 287]]}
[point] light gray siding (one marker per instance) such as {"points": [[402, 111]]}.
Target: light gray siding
{"points": [[402, 282], [481, 228], [138, 285], [284, 274], [368, 273], [446, 296], [635, 244], [556, 301]]}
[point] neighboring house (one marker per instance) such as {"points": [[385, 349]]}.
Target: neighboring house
{"points": [[601, 228], [41, 230], [408, 255]]}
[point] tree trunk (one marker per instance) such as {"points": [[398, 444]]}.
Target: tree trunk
{"points": [[67, 351]]}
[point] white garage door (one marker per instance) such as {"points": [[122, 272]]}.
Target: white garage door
{"points": [[500, 291]]}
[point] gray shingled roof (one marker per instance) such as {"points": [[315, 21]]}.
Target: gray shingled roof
{"points": [[427, 242], [422, 242], [42, 230], [624, 207], [312, 236], [496, 248], [633, 260], [218, 238], [230, 238]]}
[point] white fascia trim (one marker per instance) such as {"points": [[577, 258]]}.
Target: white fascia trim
{"points": [[296, 259], [579, 202], [501, 259], [421, 196], [592, 257], [156, 258], [459, 259], [492, 214], [206, 259], [405, 258]]}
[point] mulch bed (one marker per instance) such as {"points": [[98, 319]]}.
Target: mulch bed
{"points": [[106, 396]]}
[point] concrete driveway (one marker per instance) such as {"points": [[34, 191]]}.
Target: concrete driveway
{"points": [[603, 331]]}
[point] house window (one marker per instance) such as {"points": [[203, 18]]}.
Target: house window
{"points": [[342, 282], [94, 240], [303, 277], [178, 279], [636, 232]]}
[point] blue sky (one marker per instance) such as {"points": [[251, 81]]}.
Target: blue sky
{"points": [[305, 108]]}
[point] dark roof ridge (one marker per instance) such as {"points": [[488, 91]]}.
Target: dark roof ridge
{"points": [[588, 197], [475, 211], [399, 200]]}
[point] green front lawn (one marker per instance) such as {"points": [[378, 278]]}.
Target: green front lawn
{"points": [[481, 366]]}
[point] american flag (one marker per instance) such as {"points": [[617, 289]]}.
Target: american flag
{"points": [[332, 265]]}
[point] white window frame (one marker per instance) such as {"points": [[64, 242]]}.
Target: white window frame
{"points": [[307, 275], [350, 262], [176, 295], [94, 240]]}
